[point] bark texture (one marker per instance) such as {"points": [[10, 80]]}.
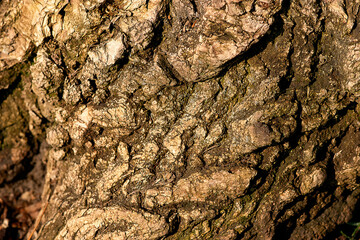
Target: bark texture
{"points": [[184, 119]]}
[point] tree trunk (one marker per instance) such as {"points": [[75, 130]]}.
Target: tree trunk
{"points": [[183, 119]]}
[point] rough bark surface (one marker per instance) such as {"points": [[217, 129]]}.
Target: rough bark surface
{"points": [[182, 119]]}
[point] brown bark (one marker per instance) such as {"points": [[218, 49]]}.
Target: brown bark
{"points": [[182, 119]]}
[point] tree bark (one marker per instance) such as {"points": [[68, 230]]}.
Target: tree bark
{"points": [[184, 119]]}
